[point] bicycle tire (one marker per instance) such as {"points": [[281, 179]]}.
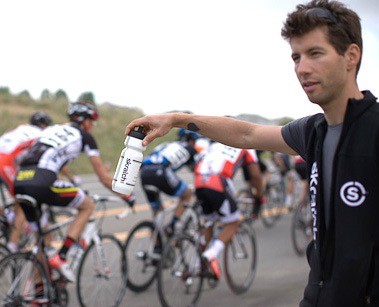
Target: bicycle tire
{"points": [[232, 259], [301, 229], [98, 285], [180, 277], [142, 268], [20, 271]]}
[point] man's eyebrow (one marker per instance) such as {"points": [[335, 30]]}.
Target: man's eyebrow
{"points": [[310, 49]]}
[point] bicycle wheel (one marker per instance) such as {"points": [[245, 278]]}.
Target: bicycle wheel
{"points": [[180, 277], [143, 250], [23, 281], [240, 259], [301, 228], [272, 208], [102, 273]]}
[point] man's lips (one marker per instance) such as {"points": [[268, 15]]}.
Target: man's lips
{"points": [[309, 86]]}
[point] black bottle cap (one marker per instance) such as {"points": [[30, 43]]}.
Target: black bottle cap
{"points": [[138, 134]]}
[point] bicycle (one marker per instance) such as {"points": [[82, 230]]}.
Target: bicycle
{"points": [[182, 270], [6, 221], [271, 210], [145, 242], [25, 276], [97, 273], [301, 227]]}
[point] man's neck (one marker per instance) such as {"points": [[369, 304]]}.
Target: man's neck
{"points": [[335, 111]]}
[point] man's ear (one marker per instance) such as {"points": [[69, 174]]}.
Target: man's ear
{"points": [[352, 56]]}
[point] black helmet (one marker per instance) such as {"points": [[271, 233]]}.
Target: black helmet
{"points": [[79, 111], [40, 118]]}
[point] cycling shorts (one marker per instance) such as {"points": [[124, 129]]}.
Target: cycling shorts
{"points": [[159, 178], [218, 205], [45, 188], [7, 171]]}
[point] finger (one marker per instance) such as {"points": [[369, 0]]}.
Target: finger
{"points": [[132, 125], [149, 138]]}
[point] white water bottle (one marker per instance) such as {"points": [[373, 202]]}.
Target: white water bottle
{"points": [[125, 177]]}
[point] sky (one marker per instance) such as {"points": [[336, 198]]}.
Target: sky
{"points": [[211, 57]]}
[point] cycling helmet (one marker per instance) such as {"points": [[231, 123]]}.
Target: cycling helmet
{"points": [[186, 135], [79, 111], [40, 118]]}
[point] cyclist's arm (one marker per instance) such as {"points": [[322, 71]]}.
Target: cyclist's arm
{"points": [[226, 130], [65, 172], [102, 173]]}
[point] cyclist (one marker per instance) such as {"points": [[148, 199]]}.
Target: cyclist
{"points": [[37, 177], [215, 190], [159, 173], [13, 145]]}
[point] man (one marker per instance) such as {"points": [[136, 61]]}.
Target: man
{"points": [[340, 146], [214, 188], [13, 145], [38, 174], [159, 173]]}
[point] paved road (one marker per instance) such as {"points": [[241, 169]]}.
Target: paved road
{"points": [[280, 279]]}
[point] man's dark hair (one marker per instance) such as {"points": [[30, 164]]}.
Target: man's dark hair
{"points": [[343, 25]]}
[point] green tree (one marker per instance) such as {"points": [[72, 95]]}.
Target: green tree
{"points": [[285, 120], [87, 96], [25, 94], [45, 95], [60, 94], [4, 90]]}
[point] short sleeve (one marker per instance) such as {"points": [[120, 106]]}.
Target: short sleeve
{"points": [[294, 134]]}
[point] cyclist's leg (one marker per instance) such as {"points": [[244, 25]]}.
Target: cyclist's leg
{"points": [[18, 226], [151, 180], [65, 194], [7, 175], [289, 187], [168, 182], [185, 194], [85, 209], [226, 206]]}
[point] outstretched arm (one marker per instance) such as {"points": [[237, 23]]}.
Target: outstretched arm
{"points": [[226, 130]]}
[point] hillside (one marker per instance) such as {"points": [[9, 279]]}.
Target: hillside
{"points": [[109, 130]]}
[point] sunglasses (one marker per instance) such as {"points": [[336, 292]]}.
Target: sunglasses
{"points": [[322, 13]]}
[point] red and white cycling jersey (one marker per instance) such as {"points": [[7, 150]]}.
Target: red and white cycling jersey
{"points": [[12, 145], [15, 141], [221, 161], [224, 160]]}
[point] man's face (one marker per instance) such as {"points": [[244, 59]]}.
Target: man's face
{"points": [[87, 124], [320, 69]]}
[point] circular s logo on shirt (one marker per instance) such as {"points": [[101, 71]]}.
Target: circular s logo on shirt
{"points": [[353, 193]]}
